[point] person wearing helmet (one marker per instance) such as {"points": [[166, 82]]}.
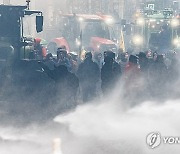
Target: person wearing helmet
{"points": [[143, 62], [132, 68], [49, 61], [66, 86], [133, 80], [89, 76], [62, 58], [110, 72]]}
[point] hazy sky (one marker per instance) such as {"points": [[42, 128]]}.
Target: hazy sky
{"points": [[19, 2]]}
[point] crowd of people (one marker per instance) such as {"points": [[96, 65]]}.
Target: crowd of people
{"points": [[146, 74]]}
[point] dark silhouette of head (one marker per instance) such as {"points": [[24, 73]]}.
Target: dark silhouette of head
{"points": [[142, 55], [133, 59], [109, 54], [108, 60], [123, 57], [88, 56], [61, 53], [49, 56], [160, 59], [155, 54]]}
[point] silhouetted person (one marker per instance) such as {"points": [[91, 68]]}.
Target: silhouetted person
{"points": [[62, 58], [173, 68], [123, 60], [49, 61], [115, 66], [159, 74], [89, 76], [39, 51], [73, 59], [164, 38], [66, 85], [98, 58], [143, 62], [110, 72], [132, 74]]}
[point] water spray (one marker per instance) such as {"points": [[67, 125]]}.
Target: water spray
{"points": [[57, 146]]}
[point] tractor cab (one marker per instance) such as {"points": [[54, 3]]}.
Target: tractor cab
{"points": [[82, 31], [18, 74], [155, 29], [12, 39]]}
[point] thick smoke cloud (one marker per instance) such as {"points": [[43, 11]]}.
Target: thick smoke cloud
{"points": [[108, 128]]}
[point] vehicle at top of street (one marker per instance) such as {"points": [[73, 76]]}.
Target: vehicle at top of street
{"points": [[83, 31], [156, 29]]}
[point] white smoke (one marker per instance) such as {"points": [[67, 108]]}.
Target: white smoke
{"points": [[105, 128], [98, 128]]}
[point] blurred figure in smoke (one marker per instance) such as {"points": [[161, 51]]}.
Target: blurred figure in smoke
{"points": [[160, 66], [133, 80], [173, 74], [133, 65], [66, 86], [116, 66], [39, 51], [110, 72], [73, 58], [144, 68], [143, 62], [98, 59], [164, 38], [89, 76], [123, 60], [62, 58], [173, 71], [155, 56], [49, 61], [148, 54], [158, 75], [152, 61]]}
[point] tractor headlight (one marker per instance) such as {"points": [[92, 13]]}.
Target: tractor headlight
{"points": [[174, 22], [140, 21], [109, 21], [176, 42], [98, 46], [81, 19], [138, 40]]}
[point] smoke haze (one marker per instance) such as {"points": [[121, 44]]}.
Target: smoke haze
{"points": [[104, 126]]}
